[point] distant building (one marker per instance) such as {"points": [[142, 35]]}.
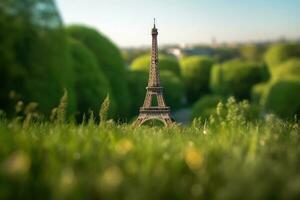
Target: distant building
{"points": [[190, 51]]}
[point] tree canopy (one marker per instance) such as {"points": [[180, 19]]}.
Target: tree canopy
{"points": [[109, 60], [282, 97], [37, 58], [166, 63], [196, 74], [237, 77], [287, 69], [252, 52], [205, 106], [91, 86], [279, 53]]}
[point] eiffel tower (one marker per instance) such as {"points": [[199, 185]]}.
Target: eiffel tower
{"points": [[154, 92]]}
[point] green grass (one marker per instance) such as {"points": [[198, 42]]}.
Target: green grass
{"points": [[216, 160]]}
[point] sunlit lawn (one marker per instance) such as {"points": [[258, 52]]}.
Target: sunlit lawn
{"points": [[219, 160]]}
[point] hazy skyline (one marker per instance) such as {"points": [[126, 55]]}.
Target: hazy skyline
{"points": [[128, 22]]}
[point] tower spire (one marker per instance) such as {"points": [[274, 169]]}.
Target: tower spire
{"points": [[154, 23]]}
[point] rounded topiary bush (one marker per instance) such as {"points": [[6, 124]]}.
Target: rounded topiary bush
{"points": [[251, 52], [109, 60], [236, 78], [283, 97], [166, 63], [279, 53], [35, 52], [205, 106], [11, 73], [258, 91], [173, 89], [196, 74], [137, 81], [221, 54], [287, 69], [91, 86]]}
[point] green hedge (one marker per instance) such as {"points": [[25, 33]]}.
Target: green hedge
{"points": [[12, 73], [91, 86], [205, 106], [229, 110], [137, 81], [237, 77], [258, 91], [252, 52], [109, 60], [173, 89], [196, 74], [166, 63], [283, 97], [279, 53], [37, 64], [287, 69]]}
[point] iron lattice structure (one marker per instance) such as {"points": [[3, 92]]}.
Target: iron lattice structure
{"points": [[154, 90]]}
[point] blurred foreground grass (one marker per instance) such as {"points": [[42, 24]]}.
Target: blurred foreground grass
{"points": [[227, 159]]}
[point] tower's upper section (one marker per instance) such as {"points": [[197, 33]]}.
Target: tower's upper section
{"points": [[154, 30], [154, 69]]}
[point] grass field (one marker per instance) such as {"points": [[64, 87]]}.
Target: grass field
{"points": [[226, 157]]}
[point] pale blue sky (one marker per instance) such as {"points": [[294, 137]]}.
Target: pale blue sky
{"points": [[128, 22]]}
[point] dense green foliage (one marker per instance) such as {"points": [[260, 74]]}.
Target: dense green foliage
{"points": [[109, 60], [251, 52], [215, 109], [90, 84], [280, 94], [166, 63], [173, 89], [258, 91], [196, 74], [11, 73], [130, 54], [225, 158], [137, 81], [279, 53], [288, 69], [283, 97], [205, 106], [236, 78], [223, 54], [35, 59]]}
